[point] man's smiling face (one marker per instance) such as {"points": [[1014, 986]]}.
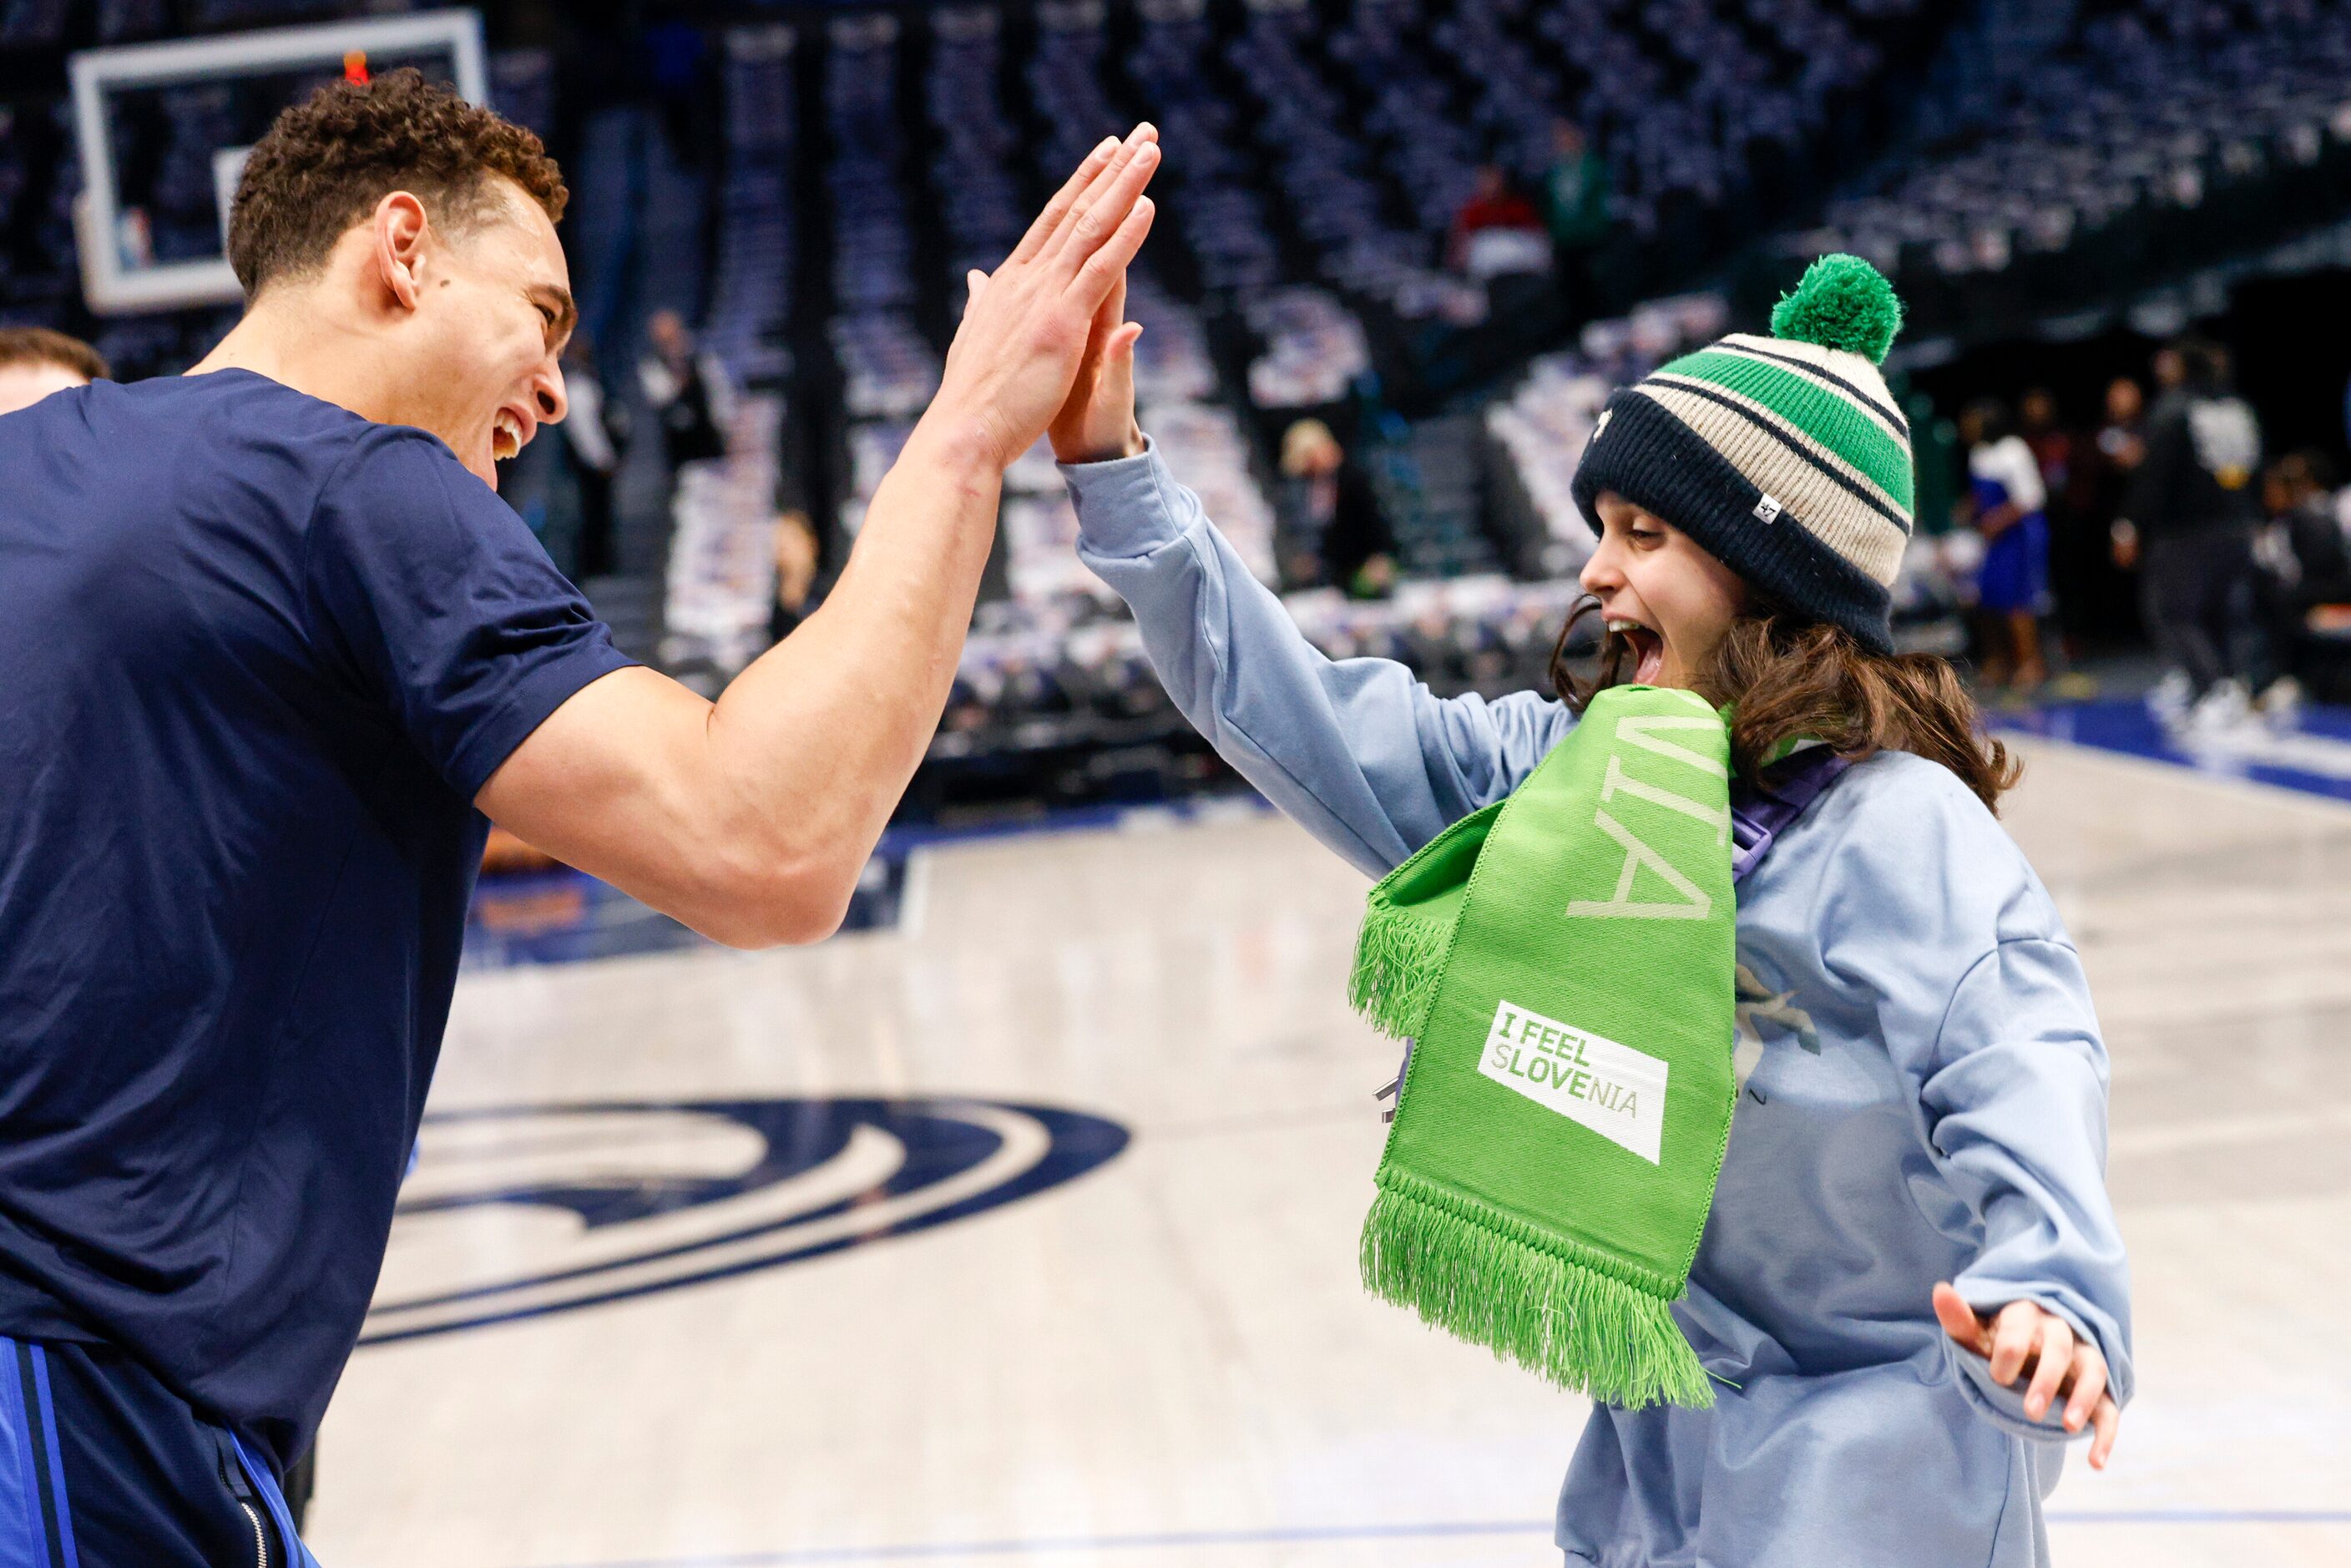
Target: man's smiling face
{"points": [[494, 312]]}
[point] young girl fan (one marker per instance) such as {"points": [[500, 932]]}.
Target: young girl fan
{"points": [[1754, 1087]]}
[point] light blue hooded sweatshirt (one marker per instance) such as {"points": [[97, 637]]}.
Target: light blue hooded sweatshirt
{"points": [[1923, 1096]]}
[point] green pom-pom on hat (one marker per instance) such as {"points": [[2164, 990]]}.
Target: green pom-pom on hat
{"points": [[1842, 302]]}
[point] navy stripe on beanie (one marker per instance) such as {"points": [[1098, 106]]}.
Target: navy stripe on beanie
{"points": [[1643, 453]]}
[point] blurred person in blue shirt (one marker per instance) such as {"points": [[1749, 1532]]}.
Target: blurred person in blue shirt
{"points": [[2007, 504]]}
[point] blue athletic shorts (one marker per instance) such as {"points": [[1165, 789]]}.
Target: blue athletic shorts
{"points": [[101, 1465]]}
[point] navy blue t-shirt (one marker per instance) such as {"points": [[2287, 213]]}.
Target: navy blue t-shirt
{"points": [[257, 656]]}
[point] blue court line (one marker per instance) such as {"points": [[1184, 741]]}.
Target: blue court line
{"points": [[2312, 755], [1309, 1534]]}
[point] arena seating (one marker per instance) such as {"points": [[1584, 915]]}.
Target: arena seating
{"points": [[818, 189], [1325, 144], [2161, 133], [748, 323]]}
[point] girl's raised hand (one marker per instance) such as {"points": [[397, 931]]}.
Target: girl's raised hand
{"points": [[1097, 420], [2020, 1338]]}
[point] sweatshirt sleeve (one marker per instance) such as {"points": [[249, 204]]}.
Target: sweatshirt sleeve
{"points": [[1356, 751], [1983, 1004], [2017, 1102]]}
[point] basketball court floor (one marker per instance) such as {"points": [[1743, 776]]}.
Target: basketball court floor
{"points": [[1022, 1231]]}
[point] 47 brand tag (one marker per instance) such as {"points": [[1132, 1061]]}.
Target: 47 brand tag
{"points": [[1616, 1091]]}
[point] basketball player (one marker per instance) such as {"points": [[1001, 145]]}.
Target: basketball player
{"points": [[272, 656], [36, 362]]}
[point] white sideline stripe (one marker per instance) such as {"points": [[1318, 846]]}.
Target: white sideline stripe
{"points": [[914, 893], [1312, 1535]]}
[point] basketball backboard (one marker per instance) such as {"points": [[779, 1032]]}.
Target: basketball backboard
{"points": [[164, 130]]}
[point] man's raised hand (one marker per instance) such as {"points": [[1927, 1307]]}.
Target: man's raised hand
{"points": [[1017, 355]]}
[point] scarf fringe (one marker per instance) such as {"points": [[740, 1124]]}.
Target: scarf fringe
{"points": [[1399, 959], [1568, 1321]]}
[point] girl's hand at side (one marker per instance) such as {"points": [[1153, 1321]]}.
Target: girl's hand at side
{"points": [[2021, 1338], [1097, 420]]}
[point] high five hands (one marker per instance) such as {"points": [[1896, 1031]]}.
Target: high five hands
{"points": [[1029, 328], [2021, 1338]]}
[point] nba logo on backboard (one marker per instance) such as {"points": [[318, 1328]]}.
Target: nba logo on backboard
{"points": [[163, 130]]}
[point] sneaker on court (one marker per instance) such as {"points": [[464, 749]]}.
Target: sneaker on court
{"points": [[2219, 715], [2168, 701], [2280, 701]]}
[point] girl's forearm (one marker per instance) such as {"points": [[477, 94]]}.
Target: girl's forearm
{"points": [[1359, 753]]}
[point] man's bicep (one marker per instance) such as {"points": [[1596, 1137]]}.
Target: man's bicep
{"points": [[608, 784]]}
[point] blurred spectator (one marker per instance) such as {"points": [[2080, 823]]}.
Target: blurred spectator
{"points": [[2101, 474], [2006, 503], [1336, 531], [2071, 543], [2052, 444], [1576, 205], [2302, 561], [2171, 370], [796, 563], [689, 393], [2102, 477], [36, 362], [593, 434], [1497, 230], [2188, 522]]}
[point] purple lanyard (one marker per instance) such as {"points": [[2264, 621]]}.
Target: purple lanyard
{"points": [[1761, 811]]}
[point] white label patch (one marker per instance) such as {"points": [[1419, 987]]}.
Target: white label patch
{"points": [[1616, 1091], [1767, 509]]}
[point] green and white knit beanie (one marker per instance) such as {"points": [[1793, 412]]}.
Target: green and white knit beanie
{"points": [[1784, 456]]}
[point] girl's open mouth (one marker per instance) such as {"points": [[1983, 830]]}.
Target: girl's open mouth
{"points": [[1648, 650]]}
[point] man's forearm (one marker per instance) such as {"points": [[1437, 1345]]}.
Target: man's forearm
{"points": [[750, 818], [816, 739]]}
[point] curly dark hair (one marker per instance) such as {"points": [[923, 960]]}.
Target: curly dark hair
{"points": [[327, 162]]}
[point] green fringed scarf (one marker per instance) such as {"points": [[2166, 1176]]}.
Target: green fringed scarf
{"points": [[1563, 963]]}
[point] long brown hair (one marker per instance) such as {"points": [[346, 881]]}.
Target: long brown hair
{"points": [[1790, 679]]}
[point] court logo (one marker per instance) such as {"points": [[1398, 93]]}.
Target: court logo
{"points": [[517, 1211]]}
